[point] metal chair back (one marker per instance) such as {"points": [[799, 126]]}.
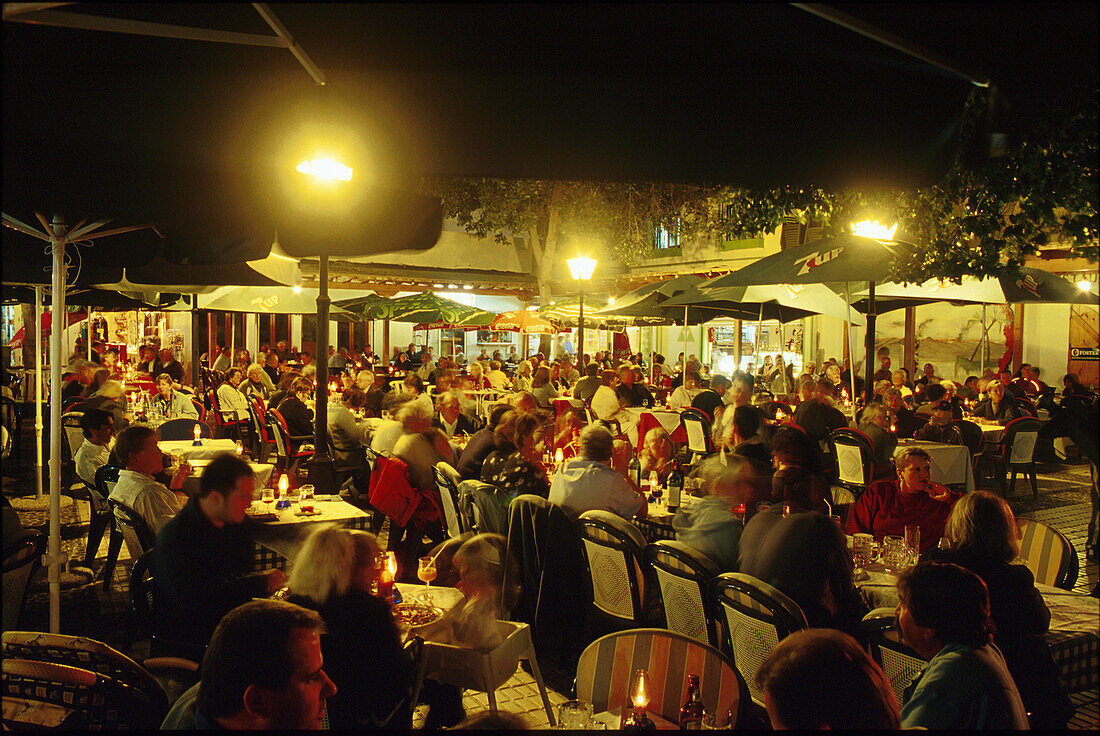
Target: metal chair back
{"points": [[452, 523], [696, 426], [612, 549], [1048, 554], [757, 617], [853, 459], [684, 577], [22, 558], [899, 662], [137, 534]]}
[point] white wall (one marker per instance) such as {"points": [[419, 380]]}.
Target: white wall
{"points": [[1046, 339]]}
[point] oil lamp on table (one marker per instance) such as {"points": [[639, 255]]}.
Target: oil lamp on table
{"points": [[636, 720]]}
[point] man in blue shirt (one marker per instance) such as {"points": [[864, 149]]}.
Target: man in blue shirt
{"points": [[944, 616]]}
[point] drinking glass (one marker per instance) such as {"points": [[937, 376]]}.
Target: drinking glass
{"points": [[177, 457], [912, 541], [715, 722], [574, 715], [894, 553], [426, 572], [305, 499], [267, 495], [863, 546]]}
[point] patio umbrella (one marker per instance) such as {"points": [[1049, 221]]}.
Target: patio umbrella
{"points": [[1024, 285], [646, 301], [369, 306], [264, 300], [841, 259], [525, 322], [566, 311], [429, 307]]}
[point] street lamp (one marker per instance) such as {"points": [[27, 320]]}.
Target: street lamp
{"points": [[322, 472], [876, 230], [581, 269]]}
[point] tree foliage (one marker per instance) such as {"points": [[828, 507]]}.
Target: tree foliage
{"points": [[985, 216]]}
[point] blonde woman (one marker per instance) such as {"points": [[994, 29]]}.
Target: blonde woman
{"points": [[333, 575], [477, 376], [521, 381]]}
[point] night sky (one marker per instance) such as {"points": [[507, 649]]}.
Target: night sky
{"points": [[742, 94]]}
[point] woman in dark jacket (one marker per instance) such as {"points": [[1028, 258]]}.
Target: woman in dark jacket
{"points": [[518, 471], [298, 416], [361, 646], [984, 539], [799, 473]]}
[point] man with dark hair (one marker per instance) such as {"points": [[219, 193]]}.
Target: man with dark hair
{"points": [[203, 559], [747, 440], [939, 428], [822, 679], [709, 400], [224, 360], [137, 450], [932, 395], [805, 556], [168, 364], [450, 419], [586, 387], [98, 427], [943, 614], [481, 443], [709, 525], [639, 394], [969, 389], [818, 416], [262, 671]]}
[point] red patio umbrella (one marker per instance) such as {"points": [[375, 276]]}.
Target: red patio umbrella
{"points": [[47, 322], [524, 322]]}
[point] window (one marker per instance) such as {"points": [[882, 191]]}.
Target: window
{"points": [[665, 242]]}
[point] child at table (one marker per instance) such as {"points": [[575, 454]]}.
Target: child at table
{"points": [[473, 622]]}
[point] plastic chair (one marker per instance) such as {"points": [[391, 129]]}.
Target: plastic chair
{"points": [[1048, 554], [972, 437], [74, 438], [183, 428], [1017, 451], [485, 671], [22, 558], [684, 576], [200, 407], [697, 430], [757, 617], [132, 528], [607, 665], [45, 694], [446, 480], [259, 434], [1027, 408], [898, 661], [613, 548], [853, 459], [70, 402]]}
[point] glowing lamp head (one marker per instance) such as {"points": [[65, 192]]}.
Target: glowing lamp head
{"points": [[325, 168], [283, 483], [297, 289], [874, 229], [581, 268], [1083, 285], [391, 564], [639, 689], [558, 456], [198, 433]]}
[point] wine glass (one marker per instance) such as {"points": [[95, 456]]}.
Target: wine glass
{"points": [[426, 572], [267, 495]]}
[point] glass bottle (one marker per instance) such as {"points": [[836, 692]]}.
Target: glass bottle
{"points": [[691, 713], [675, 488]]}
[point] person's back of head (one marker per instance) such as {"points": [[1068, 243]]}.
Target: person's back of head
{"points": [[950, 601], [825, 389], [131, 441], [746, 421], [823, 678], [720, 383], [252, 651], [592, 370], [982, 525], [596, 443], [934, 392], [93, 419]]}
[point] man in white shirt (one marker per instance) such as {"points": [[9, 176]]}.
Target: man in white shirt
{"points": [[497, 378], [137, 449], [590, 482], [450, 418], [224, 360], [230, 398], [99, 429]]}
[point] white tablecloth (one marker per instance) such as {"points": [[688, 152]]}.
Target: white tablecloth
{"points": [[950, 463], [261, 472], [209, 449], [286, 534]]}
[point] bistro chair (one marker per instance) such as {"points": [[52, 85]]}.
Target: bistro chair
{"points": [[200, 407], [899, 662], [89, 654], [143, 618], [853, 460], [1048, 554], [11, 417], [756, 618], [260, 434], [45, 694], [183, 428], [1017, 452], [22, 558], [102, 519], [445, 476], [225, 420], [74, 438], [696, 426], [973, 438], [287, 457], [1026, 407], [132, 528], [69, 403], [606, 668], [613, 548], [105, 479], [684, 576]]}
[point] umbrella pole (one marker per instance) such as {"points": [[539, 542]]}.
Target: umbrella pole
{"points": [[37, 393], [851, 362], [54, 558], [985, 340], [757, 362], [684, 368], [89, 335], [868, 362]]}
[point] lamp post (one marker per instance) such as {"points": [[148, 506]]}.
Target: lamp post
{"points": [[581, 269], [868, 229], [322, 472]]}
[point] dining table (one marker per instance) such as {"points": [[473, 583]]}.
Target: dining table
{"points": [[278, 536], [261, 475], [663, 417], [1073, 640], [950, 464], [207, 450]]}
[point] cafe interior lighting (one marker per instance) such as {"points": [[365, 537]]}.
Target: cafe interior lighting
{"points": [[874, 229], [325, 168], [1083, 285]]}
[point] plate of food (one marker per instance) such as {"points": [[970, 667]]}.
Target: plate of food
{"points": [[416, 615]]}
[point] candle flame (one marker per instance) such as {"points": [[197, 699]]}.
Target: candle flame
{"points": [[391, 565], [558, 456], [198, 433], [639, 692]]}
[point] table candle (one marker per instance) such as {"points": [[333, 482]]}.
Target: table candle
{"points": [[385, 581], [198, 435]]}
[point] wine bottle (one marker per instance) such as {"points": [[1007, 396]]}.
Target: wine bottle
{"points": [[675, 488], [634, 470], [691, 713]]}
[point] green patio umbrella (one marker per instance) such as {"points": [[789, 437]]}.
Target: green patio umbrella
{"points": [[429, 307], [368, 307]]}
